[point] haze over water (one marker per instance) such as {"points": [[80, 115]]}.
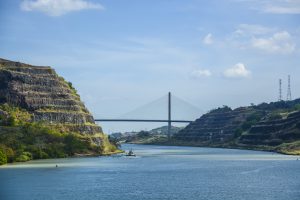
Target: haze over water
{"points": [[158, 172]]}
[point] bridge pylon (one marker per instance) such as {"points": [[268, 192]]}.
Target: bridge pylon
{"points": [[169, 115]]}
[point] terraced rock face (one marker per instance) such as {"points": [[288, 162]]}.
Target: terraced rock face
{"points": [[45, 95], [267, 126], [217, 126], [274, 132]]}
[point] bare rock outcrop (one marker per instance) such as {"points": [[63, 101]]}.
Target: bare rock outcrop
{"points": [[217, 126], [47, 96]]}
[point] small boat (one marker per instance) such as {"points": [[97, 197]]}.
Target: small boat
{"points": [[130, 153]]}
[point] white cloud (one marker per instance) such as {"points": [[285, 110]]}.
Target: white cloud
{"points": [[252, 29], [237, 71], [201, 73], [58, 7], [274, 6], [283, 7], [280, 42], [208, 39], [262, 38]]}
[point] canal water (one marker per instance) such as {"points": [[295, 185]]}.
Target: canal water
{"points": [[157, 172]]}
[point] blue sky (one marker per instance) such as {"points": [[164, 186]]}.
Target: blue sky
{"points": [[121, 54]]}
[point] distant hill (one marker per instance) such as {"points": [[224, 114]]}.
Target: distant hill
{"points": [[271, 126], [157, 134], [267, 126], [164, 130]]}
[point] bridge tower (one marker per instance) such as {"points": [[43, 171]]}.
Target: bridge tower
{"points": [[169, 115]]}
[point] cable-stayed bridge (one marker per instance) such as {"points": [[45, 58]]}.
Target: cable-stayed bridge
{"points": [[156, 108]]}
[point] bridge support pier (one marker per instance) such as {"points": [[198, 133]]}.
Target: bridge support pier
{"points": [[169, 116]]}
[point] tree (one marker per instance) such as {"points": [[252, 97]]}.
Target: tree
{"points": [[74, 145], [3, 157], [11, 121]]}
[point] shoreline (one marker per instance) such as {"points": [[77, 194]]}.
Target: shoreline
{"points": [[238, 147], [86, 155], [148, 144]]}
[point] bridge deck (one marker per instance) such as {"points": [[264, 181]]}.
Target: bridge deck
{"points": [[142, 120]]}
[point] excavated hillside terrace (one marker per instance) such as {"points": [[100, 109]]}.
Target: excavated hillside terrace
{"points": [[273, 132], [47, 96], [216, 127]]}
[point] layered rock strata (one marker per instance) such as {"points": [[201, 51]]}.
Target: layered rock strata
{"points": [[273, 132], [47, 96], [217, 126], [265, 126]]}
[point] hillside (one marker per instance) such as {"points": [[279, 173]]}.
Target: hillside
{"points": [[145, 137], [41, 113], [271, 126], [274, 127]]}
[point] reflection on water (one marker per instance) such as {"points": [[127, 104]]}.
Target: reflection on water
{"points": [[157, 172]]}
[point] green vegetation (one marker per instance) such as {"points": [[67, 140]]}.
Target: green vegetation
{"points": [[157, 135], [3, 157], [72, 88], [292, 148], [251, 120], [271, 126], [221, 109], [25, 156], [297, 107], [13, 116], [22, 140]]}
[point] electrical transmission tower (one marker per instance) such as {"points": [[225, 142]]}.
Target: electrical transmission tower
{"points": [[280, 91], [289, 93]]}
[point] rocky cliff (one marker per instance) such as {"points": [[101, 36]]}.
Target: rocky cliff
{"points": [[49, 99], [46, 95], [217, 126], [273, 132]]}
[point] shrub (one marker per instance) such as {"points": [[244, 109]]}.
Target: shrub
{"points": [[8, 152], [55, 150], [143, 134], [275, 142], [16, 115], [256, 116], [74, 91], [275, 116], [11, 121], [2, 119], [43, 155], [221, 109], [238, 132], [74, 144], [252, 120], [37, 152], [3, 157], [247, 124], [297, 107], [25, 156]]}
